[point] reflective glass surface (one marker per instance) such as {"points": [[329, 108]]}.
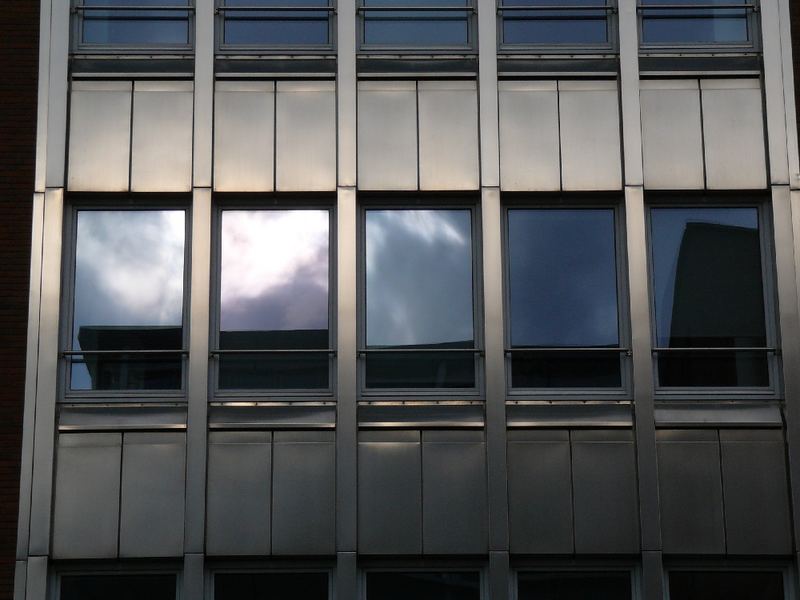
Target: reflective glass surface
{"points": [[574, 586], [708, 293], [129, 269], [424, 28], [694, 25], [274, 296], [419, 297], [719, 585], [553, 27], [272, 586], [137, 26], [423, 586], [276, 27], [119, 587]]}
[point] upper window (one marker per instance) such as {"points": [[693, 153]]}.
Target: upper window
{"points": [[697, 22], [134, 23], [726, 585], [709, 301], [608, 585], [120, 587], [423, 585], [128, 300], [257, 586], [420, 310], [416, 24], [555, 23], [275, 23]]}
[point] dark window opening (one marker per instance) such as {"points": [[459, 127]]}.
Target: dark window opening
{"points": [[423, 586], [718, 585], [119, 587], [574, 586], [275, 586]]}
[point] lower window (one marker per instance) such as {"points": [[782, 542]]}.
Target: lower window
{"points": [[726, 585], [574, 586], [423, 585], [259, 586], [119, 587]]}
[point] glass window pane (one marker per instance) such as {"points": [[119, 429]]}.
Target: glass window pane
{"points": [[274, 586], [709, 585], [574, 586], [135, 27], [119, 587], [423, 586], [554, 27], [419, 297], [708, 293], [416, 27], [694, 25], [129, 269], [274, 296], [280, 28]]}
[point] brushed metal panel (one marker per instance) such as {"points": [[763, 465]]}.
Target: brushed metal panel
{"points": [[238, 501], [99, 136], [305, 136], [448, 135], [604, 487], [591, 152], [387, 135], [161, 158], [152, 503], [529, 137], [672, 135], [540, 497], [87, 488], [690, 490], [733, 132], [390, 497], [204, 46], [303, 499], [454, 497], [244, 136]]}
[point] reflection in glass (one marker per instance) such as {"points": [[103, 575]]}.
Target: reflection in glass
{"points": [[423, 586], [708, 293], [419, 297], [563, 294], [721, 585], [276, 27], [694, 25], [553, 27], [274, 296], [416, 27], [574, 586], [128, 296], [119, 587], [135, 26], [277, 586]]}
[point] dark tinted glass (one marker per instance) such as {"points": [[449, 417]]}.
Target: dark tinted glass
{"points": [[136, 26], [574, 586], [271, 586], [555, 26], [698, 585], [694, 25], [563, 294], [273, 297], [276, 27], [416, 27], [128, 296], [419, 298], [118, 587], [423, 586], [708, 293]]}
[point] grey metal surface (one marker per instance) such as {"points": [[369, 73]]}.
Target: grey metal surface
{"points": [[272, 416], [733, 133], [244, 136], [454, 502], [203, 147], [672, 134], [346, 101], [303, 493], [711, 414], [540, 492], [604, 492], [789, 88], [387, 135], [419, 416], [652, 585], [96, 418], [87, 496], [161, 147], [152, 492], [529, 136], [194, 576], [691, 492], [390, 494], [305, 136], [239, 493], [346, 580], [36, 581], [487, 95], [774, 90], [100, 136], [448, 135], [43, 95], [20, 579], [630, 108], [57, 37], [570, 415], [590, 136]]}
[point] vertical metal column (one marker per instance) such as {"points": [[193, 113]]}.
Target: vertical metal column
{"points": [[774, 94], [790, 107]]}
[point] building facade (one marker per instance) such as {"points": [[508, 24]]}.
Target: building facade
{"points": [[385, 300]]}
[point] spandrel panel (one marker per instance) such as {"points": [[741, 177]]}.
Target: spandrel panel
{"points": [[415, 28], [115, 24], [424, 585], [574, 586], [120, 587], [257, 586], [274, 296], [129, 271], [555, 27], [276, 27]]}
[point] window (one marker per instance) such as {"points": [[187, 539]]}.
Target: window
{"points": [[274, 309], [423, 585], [119, 587], [553, 23], [428, 24], [574, 586], [134, 23], [128, 300], [709, 302], [564, 298], [278, 23], [697, 22], [258, 586], [725, 585], [420, 309]]}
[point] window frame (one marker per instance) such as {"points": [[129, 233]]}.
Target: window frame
{"points": [[767, 565], [592, 566]]}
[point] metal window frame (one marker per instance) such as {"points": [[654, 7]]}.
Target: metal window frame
{"points": [[421, 201], [113, 202], [292, 566], [576, 566], [576, 201], [727, 565], [271, 202], [425, 565], [95, 568]]}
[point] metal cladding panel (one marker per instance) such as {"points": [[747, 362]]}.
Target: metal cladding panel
{"points": [[303, 498], [387, 135], [86, 512], [389, 497], [99, 137], [454, 498], [529, 155], [244, 137], [448, 135], [305, 136], [153, 494], [540, 497], [733, 130], [757, 515], [238, 494], [605, 498], [672, 135], [690, 489], [591, 153], [162, 137]]}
